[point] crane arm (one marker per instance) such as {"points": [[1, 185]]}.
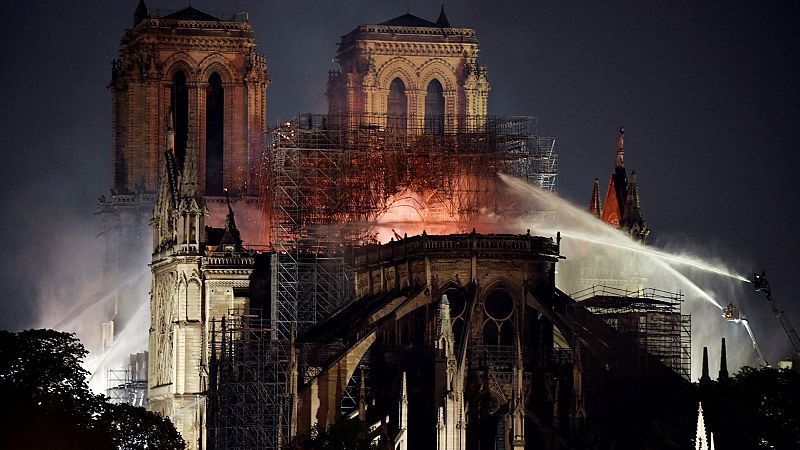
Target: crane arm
{"points": [[761, 284]]}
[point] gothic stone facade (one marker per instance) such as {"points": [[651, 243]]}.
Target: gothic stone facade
{"points": [[174, 65], [199, 273], [462, 318], [423, 75], [203, 74]]}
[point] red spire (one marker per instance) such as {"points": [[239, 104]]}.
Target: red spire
{"points": [[611, 213]]}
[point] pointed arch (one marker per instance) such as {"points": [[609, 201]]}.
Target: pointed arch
{"points": [[501, 283], [439, 69], [222, 66], [179, 105], [434, 107], [398, 67], [397, 105], [215, 135], [180, 61], [457, 297]]}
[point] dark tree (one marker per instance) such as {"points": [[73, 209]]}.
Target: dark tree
{"points": [[47, 403], [757, 408], [345, 434]]}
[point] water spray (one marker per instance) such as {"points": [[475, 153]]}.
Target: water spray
{"points": [[578, 224], [733, 314], [662, 255], [755, 345]]}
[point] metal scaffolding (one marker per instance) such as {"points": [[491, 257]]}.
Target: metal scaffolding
{"points": [[248, 395], [129, 385], [325, 179], [333, 176], [650, 317]]}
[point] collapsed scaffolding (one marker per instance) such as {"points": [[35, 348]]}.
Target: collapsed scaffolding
{"points": [[650, 317], [326, 182]]}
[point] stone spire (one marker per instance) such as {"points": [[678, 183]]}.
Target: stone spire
{"points": [[362, 398], [141, 13], [189, 183], [172, 170], [170, 132], [617, 194], [163, 221], [723, 362], [441, 432], [517, 400], [632, 219], [403, 402], [700, 438], [401, 441], [594, 203], [705, 378], [442, 21], [444, 330]]}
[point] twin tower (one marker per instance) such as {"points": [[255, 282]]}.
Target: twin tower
{"points": [[190, 86], [203, 73]]}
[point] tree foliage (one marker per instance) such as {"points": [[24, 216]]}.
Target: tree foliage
{"points": [[756, 409], [47, 402], [345, 434]]}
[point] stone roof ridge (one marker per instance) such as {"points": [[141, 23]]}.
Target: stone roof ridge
{"points": [[409, 20], [442, 21], [141, 13], [191, 13]]}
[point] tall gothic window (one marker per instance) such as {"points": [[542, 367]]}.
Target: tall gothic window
{"points": [[434, 108], [397, 106], [215, 101], [498, 328], [179, 102]]}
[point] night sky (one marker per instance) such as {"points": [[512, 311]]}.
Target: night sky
{"points": [[709, 94]]}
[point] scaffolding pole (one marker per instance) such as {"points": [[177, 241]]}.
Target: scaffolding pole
{"points": [[326, 178], [129, 385], [650, 317], [247, 384]]}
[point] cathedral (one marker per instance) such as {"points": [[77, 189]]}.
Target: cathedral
{"points": [[189, 121], [276, 310]]}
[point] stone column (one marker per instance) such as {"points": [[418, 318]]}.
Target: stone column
{"points": [[197, 129]]}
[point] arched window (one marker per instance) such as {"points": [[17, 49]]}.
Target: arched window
{"points": [[215, 101], [179, 103], [434, 108], [458, 304], [498, 328], [397, 105]]}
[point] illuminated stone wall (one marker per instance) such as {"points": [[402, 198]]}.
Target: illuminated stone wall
{"points": [[150, 55], [373, 56]]}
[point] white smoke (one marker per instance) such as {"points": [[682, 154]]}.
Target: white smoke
{"points": [[78, 293], [595, 247]]}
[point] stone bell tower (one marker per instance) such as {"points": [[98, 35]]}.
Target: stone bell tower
{"points": [[203, 73], [205, 69], [411, 73], [189, 121]]}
